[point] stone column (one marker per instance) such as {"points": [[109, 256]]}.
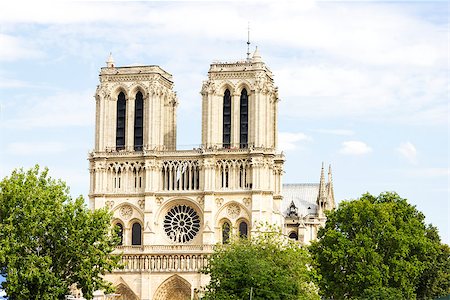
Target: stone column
{"points": [[129, 127]]}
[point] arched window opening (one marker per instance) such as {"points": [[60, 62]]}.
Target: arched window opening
{"points": [[242, 176], [226, 119], [139, 122], [136, 234], [226, 231], [243, 139], [120, 122], [293, 236], [119, 232], [243, 230], [225, 176]]}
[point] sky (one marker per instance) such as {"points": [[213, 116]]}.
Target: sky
{"points": [[364, 85]]}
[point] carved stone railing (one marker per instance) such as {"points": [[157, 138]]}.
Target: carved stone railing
{"points": [[163, 263], [195, 152], [150, 249]]}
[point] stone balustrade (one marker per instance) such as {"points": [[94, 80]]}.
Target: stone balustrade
{"points": [[163, 263], [154, 249]]}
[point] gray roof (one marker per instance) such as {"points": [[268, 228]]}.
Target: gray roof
{"points": [[304, 196]]}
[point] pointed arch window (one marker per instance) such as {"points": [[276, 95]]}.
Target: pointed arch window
{"points": [[119, 231], [120, 121], [226, 232], [136, 234], [138, 122], [293, 236], [243, 139], [243, 230], [226, 119]]}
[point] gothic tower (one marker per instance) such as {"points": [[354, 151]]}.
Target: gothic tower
{"points": [[240, 105], [135, 107]]}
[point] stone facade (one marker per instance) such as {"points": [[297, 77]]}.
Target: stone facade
{"points": [[172, 206]]}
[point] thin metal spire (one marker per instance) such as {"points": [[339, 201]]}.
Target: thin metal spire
{"points": [[248, 42]]}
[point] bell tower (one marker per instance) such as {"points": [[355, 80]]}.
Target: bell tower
{"points": [[135, 109], [240, 103]]}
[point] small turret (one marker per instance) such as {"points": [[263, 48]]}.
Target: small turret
{"points": [[110, 61], [293, 210], [256, 56]]}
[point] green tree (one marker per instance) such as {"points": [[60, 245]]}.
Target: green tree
{"points": [[49, 241], [378, 247], [269, 265]]}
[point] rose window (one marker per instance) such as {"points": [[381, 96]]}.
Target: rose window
{"points": [[181, 223]]}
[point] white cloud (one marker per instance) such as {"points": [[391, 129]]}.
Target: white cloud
{"points": [[344, 132], [290, 140], [61, 109], [408, 151], [14, 48], [429, 172], [355, 148], [34, 148], [391, 67]]}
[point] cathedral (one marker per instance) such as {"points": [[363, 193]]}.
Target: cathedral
{"points": [[172, 206]]}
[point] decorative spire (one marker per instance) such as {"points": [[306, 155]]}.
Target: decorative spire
{"points": [[322, 182], [248, 42], [256, 56], [322, 196], [110, 61], [330, 177], [330, 192]]}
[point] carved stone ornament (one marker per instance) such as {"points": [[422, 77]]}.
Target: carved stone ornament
{"points": [[233, 211], [201, 200], [247, 201], [109, 204], [126, 212], [141, 203], [159, 200], [219, 202]]}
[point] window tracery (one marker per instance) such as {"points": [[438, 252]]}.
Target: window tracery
{"points": [[243, 229], [243, 137], [226, 232], [181, 223], [120, 121], [138, 122], [180, 175], [234, 174], [226, 119], [136, 234]]}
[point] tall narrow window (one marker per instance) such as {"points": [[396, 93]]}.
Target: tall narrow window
{"points": [[136, 234], [120, 233], [139, 122], [226, 119], [120, 121], [243, 140], [243, 230], [226, 230]]}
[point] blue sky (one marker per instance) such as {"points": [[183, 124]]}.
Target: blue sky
{"points": [[363, 84]]}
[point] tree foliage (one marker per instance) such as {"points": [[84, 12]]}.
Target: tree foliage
{"points": [[49, 241], [269, 264], [378, 247]]}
